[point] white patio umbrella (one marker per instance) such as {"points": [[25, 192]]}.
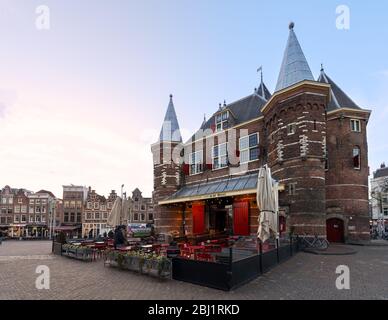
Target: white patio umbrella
{"points": [[267, 201], [115, 213]]}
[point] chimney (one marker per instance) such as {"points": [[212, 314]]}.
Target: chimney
{"points": [[382, 165]]}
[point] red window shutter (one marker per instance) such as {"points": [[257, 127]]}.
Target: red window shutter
{"points": [[241, 218], [213, 127], [238, 153], [209, 166], [198, 219]]}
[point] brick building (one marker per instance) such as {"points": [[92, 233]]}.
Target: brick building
{"points": [[310, 133], [74, 198], [96, 213], [27, 214], [141, 208]]}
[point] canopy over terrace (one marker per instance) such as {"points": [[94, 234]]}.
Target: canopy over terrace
{"points": [[233, 186], [217, 208]]}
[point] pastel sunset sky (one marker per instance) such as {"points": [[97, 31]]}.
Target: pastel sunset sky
{"points": [[82, 102]]}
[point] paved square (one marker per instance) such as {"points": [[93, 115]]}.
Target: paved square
{"points": [[305, 276]]}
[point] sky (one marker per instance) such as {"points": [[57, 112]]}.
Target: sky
{"points": [[82, 101]]}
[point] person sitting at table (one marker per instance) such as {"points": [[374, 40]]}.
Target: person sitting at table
{"points": [[119, 239]]}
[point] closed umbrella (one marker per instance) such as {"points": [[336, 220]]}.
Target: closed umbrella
{"points": [[115, 213], [267, 200]]}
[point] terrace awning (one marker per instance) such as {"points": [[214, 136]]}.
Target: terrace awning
{"points": [[233, 186], [66, 228]]}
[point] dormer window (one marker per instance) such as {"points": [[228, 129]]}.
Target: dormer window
{"points": [[222, 121]]}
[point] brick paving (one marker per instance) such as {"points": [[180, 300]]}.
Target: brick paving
{"points": [[305, 276]]}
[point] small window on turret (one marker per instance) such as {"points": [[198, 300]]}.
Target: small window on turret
{"points": [[357, 158], [355, 125], [291, 128]]}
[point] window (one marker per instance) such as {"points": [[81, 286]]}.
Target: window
{"points": [[37, 218], [31, 218], [10, 210], [151, 216], [44, 209], [249, 148], [20, 200], [222, 121], [4, 210], [72, 204], [136, 216], [31, 209], [66, 217], [291, 128], [78, 216], [31, 201], [220, 156], [97, 215], [196, 162], [72, 217], [66, 204], [357, 158], [24, 209], [142, 207], [142, 217], [3, 220], [385, 210], [103, 207], [4, 200], [10, 200], [24, 218], [89, 216], [43, 218], [89, 205], [16, 218], [109, 205], [355, 125], [105, 215], [96, 205], [17, 209], [37, 209], [292, 189], [315, 125]]}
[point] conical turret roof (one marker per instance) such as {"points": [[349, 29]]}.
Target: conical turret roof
{"points": [[294, 67], [170, 131], [339, 99]]}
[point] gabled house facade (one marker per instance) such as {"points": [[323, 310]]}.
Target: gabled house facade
{"points": [[309, 132]]}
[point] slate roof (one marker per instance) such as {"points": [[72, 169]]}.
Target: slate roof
{"points": [[242, 110], [294, 67], [339, 99], [170, 131]]}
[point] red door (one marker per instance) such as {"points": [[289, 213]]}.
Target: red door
{"points": [[198, 219], [241, 218], [282, 225], [335, 230]]}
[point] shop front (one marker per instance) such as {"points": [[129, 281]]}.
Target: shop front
{"points": [[223, 208], [35, 231]]}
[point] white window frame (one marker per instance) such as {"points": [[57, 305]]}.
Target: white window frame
{"points": [[359, 157], [220, 123], [196, 162], [248, 148], [220, 156], [355, 125]]}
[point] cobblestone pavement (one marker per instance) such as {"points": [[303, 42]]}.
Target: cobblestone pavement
{"points": [[305, 276]]}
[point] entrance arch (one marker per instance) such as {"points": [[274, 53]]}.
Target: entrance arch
{"points": [[335, 230]]}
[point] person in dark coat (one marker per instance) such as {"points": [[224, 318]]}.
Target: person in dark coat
{"points": [[118, 238]]}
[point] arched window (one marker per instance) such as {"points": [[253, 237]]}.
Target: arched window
{"points": [[357, 158]]}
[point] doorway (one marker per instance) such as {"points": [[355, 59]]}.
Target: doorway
{"points": [[335, 230]]}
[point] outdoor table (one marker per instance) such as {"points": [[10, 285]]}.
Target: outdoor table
{"points": [[195, 249], [125, 249]]}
